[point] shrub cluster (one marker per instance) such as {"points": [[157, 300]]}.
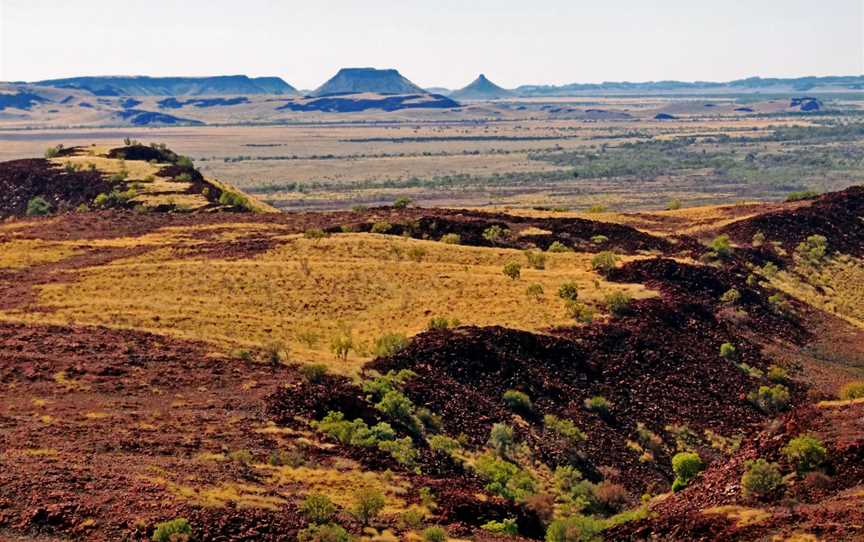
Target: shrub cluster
{"points": [[685, 465]]}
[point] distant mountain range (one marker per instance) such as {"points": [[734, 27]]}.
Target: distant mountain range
{"points": [[481, 89], [173, 86], [361, 80]]}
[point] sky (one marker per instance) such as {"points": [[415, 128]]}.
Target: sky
{"points": [[434, 42]]}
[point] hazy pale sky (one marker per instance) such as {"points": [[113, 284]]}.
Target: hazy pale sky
{"points": [[434, 42]]}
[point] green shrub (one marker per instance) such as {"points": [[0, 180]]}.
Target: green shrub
{"points": [[38, 206], [758, 239], [512, 270], [392, 381], [721, 247], [604, 261], [233, 199], [390, 344], [185, 162], [770, 270], [535, 292], [812, 250], [673, 205], [451, 238], [536, 259], [507, 526], [563, 428], [175, 530], [53, 152], [518, 401], [115, 198], [618, 303], [730, 297], [435, 534], [313, 372], [778, 375], [805, 453], [501, 439], [597, 208], [341, 345], [241, 456], [568, 291], [579, 311], [398, 407], [727, 351], [504, 478], [402, 202], [852, 390], [558, 247], [801, 195], [495, 234], [381, 227], [770, 400], [412, 518], [368, 503], [761, 479], [402, 450], [599, 404], [443, 443], [576, 528], [599, 239], [323, 533], [318, 508], [686, 465]]}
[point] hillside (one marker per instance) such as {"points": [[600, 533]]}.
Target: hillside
{"points": [[360, 80], [481, 89], [173, 360], [223, 85], [135, 176]]}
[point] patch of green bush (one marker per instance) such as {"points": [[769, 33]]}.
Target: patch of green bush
{"points": [[323, 533], [579, 311], [442, 322], [175, 530], [576, 528], [390, 344], [536, 259], [318, 508], [504, 478], [512, 270], [761, 479], [402, 202], [435, 534], [852, 390], [685, 465], [368, 503], [495, 234], [381, 227], [558, 247], [727, 351], [618, 303], [563, 428], [506, 526], [569, 291], [599, 404], [518, 401], [451, 239], [535, 292], [770, 399], [805, 453], [38, 206]]}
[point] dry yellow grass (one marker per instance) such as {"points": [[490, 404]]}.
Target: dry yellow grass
{"points": [[220, 495], [19, 254], [368, 284], [340, 484], [741, 515]]}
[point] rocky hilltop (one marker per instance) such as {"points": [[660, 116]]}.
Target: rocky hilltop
{"points": [[481, 89]]}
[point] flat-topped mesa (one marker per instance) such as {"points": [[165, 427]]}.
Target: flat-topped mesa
{"points": [[139, 85], [481, 89], [360, 80]]}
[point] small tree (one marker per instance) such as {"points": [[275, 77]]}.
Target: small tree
{"points": [[512, 270], [805, 453], [536, 259], [434, 534], [761, 479], [721, 247], [341, 345], [501, 439], [368, 503]]}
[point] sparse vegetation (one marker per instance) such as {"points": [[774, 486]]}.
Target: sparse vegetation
{"points": [[318, 508], [618, 303], [535, 292], [435, 534], [175, 530], [771, 399], [495, 234], [599, 404], [557, 247], [368, 503], [568, 291], [390, 344], [852, 390], [604, 262], [536, 259], [451, 239], [402, 202]]}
